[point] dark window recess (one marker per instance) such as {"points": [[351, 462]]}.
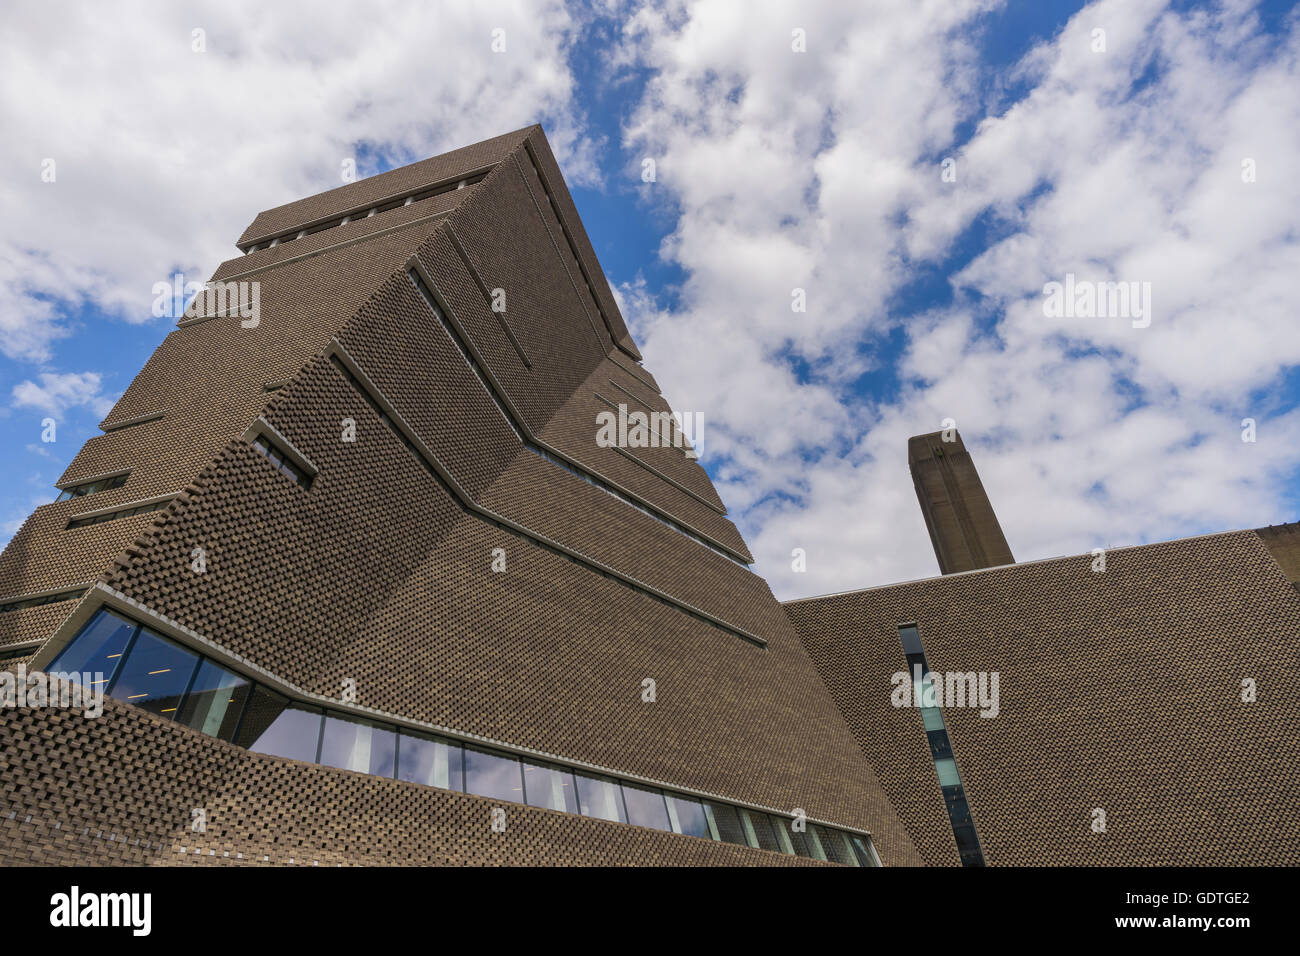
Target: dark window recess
{"points": [[945, 764], [114, 515], [365, 213], [278, 458], [92, 487], [44, 599]]}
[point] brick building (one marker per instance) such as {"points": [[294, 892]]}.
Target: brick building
{"points": [[362, 586]]}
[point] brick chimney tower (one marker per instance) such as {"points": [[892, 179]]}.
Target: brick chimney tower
{"points": [[963, 528]]}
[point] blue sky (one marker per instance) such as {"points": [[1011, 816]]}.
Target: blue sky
{"points": [[777, 169]]}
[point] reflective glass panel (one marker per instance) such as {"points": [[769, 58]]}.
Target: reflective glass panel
{"points": [[598, 797], [359, 745], [430, 761], [215, 701], [947, 770], [97, 650], [154, 674], [491, 775], [272, 725], [646, 808], [688, 817], [550, 787]]}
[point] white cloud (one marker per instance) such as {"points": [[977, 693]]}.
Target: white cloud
{"points": [[163, 155], [60, 391], [821, 170]]}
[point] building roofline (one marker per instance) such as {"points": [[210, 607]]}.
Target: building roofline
{"points": [[1003, 567]]}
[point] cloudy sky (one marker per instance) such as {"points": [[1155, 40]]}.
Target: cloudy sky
{"points": [[921, 169]]}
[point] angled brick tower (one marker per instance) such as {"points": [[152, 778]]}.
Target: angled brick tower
{"points": [[362, 585]]}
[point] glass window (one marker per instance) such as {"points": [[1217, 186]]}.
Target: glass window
{"points": [[549, 787], [430, 761], [939, 745], [799, 842], [646, 808], [272, 725], [835, 844], [359, 745], [945, 765], [947, 770], [968, 845], [96, 650], [866, 854], [154, 674], [725, 821], [911, 639], [491, 775], [598, 797], [762, 826], [687, 816], [215, 701]]}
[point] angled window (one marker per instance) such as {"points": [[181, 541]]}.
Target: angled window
{"points": [[274, 725], [155, 674], [130, 662], [945, 762], [44, 599], [97, 650], [215, 701], [92, 487], [84, 520]]}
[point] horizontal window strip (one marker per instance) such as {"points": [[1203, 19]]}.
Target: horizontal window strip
{"points": [[85, 520], [41, 599], [92, 487], [518, 531], [132, 662], [588, 476], [364, 213], [131, 422]]}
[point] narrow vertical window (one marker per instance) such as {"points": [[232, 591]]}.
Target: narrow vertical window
{"points": [[945, 764]]}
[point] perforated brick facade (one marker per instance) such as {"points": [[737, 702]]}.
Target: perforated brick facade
{"points": [[434, 369], [470, 429], [1119, 690]]}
